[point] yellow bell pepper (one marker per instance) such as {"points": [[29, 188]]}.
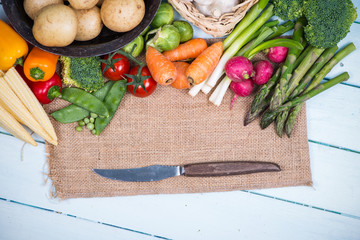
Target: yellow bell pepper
{"points": [[12, 47]]}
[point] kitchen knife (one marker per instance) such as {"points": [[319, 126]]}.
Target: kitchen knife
{"points": [[209, 169]]}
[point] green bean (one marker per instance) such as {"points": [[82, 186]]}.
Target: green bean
{"points": [[73, 113], [112, 101]]}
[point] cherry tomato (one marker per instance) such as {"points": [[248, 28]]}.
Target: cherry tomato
{"points": [[118, 66], [150, 83]]}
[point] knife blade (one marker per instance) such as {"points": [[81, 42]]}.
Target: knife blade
{"points": [[207, 169]]}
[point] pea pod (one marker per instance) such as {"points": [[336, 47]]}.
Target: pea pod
{"points": [[84, 100], [73, 113], [112, 101]]}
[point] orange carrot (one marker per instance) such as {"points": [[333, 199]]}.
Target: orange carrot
{"points": [[204, 64], [181, 81], [162, 69], [191, 49]]}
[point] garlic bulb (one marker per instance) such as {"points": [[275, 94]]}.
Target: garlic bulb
{"points": [[215, 8]]}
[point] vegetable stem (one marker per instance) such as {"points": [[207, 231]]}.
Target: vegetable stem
{"points": [[245, 22]]}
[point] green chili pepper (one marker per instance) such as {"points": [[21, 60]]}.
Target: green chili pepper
{"points": [[112, 101], [73, 113]]}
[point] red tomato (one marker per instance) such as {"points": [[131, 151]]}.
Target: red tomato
{"points": [[150, 84], [118, 66]]}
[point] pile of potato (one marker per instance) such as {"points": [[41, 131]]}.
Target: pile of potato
{"points": [[58, 24]]}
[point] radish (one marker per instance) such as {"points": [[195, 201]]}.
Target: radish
{"points": [[242, 89], [238, 69], [277, 54], [263, 71]]}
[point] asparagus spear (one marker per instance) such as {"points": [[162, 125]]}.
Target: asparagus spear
{"points": [[320, 62], [280, 122], [283, 116], [297, 75], [269, 116], [289, 126], [287, 68], [266, 88], [261, 107]]}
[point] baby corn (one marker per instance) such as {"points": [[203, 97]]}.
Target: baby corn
{"points": [[10, 124], [25, 94], [9, 98]]}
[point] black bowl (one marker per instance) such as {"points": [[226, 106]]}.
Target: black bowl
{"points": [[108, 41]]}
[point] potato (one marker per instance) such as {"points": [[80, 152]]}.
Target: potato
{"points": [[55, 26], [89, 24], [83, 4], [122, 15], [33, 6]]}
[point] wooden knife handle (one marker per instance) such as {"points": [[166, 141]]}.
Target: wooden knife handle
{"points": [[213, 169]]}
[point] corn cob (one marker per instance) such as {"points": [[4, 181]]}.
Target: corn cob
{"points": [[9, 123], [25, 94], [9, 98]]}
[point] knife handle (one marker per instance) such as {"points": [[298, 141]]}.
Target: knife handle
{"points": [[214, 169]]}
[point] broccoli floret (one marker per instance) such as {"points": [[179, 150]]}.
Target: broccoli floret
{"points": [[329, 21], [83, 73], [288, 9]]}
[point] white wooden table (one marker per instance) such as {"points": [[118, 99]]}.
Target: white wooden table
{"points": [[328, 210]]}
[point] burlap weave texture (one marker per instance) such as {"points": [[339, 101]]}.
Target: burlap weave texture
{"points": [[170, 127]]}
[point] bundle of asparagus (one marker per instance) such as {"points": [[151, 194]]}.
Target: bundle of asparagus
{"points": [[298, 80]]}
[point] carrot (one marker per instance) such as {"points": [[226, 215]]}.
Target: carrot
{"points": [[204, 64], [162, 69], [190, 49], [181, 81]]}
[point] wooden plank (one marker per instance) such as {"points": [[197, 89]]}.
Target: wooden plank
{"points": [[335, 177], [235, 217], [334, 116], [24, 222], [237, 210]]}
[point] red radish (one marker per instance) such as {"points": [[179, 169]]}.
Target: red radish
{"points": [[277, 54], [238, 69], [263, 71], [242, 89]]}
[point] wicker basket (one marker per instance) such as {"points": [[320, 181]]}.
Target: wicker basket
{"points": [[217, 27]]}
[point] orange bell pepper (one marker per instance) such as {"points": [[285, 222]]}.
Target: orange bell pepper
{"points": [[40, 65], [13, 48]]}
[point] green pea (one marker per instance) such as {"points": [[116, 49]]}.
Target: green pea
{"points": [[84, 100], [78, 128], [112, 101], [90, 126], [73, 113], [93, 115], [81, 123], [93, 131], [92, 120], [86, 120]]}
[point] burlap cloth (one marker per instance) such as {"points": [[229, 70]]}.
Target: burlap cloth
{"points": [[171, 127]]}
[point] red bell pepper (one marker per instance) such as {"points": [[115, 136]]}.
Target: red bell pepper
{"points": [[45, 91]]}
